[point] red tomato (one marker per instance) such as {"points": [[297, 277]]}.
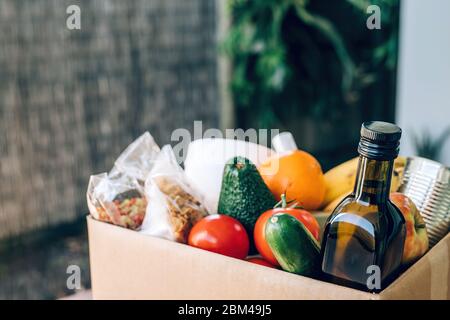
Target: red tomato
{"points": [[221, 234], [259, 232], [261, 262]]}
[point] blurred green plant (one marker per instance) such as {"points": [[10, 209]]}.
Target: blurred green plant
{"points": [[305, 57], [428, 146]]}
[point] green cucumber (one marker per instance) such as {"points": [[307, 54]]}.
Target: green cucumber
{"points": [[293, 245]]}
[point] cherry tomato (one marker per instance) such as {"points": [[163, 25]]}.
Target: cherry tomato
{"points": [[261, 262], [259, 232], [221, 234]]}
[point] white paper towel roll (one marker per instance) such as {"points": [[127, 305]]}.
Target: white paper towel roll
{"points": [[205, 161]]}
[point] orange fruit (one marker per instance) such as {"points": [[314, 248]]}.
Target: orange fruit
{"points": [[297, 174]]}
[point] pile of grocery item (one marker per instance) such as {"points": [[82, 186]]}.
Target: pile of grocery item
{"points": [[247, 201]]}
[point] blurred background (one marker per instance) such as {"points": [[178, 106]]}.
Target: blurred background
{"points": [[72, 100]]}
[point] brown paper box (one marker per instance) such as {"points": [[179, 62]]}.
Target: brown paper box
{"points": [[128, 265]]}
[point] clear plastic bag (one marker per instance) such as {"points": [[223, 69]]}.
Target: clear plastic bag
{"points": [[138, 158], [173, 205], [118, 199]]}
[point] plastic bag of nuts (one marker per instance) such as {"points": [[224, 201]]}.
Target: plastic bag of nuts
{"points": [[174, 206]]}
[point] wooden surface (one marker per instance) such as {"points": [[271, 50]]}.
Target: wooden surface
{"points": [[70, 101]]}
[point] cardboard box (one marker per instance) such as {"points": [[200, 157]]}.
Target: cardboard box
{"points": [[128, 265]]}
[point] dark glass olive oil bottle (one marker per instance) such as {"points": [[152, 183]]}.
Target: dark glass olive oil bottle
{"points": [[365, 234]]}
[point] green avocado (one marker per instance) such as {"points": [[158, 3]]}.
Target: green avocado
{"points": [[244, 195], [294, 247]]}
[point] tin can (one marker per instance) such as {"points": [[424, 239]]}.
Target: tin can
{"points": [[427, 183]]}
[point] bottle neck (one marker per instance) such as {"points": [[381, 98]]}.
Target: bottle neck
{"points": [[373, 180]]}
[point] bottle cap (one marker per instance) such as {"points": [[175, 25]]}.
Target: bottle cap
{"points": [[284, 142], [379, 140]]}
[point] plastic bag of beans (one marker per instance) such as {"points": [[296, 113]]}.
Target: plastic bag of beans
{"points": [[118, 199]]}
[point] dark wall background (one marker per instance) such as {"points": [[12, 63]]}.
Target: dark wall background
{"points": [[70, 101], [314, 68]]}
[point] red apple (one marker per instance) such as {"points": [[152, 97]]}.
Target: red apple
{"points": [[416, 242]]}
